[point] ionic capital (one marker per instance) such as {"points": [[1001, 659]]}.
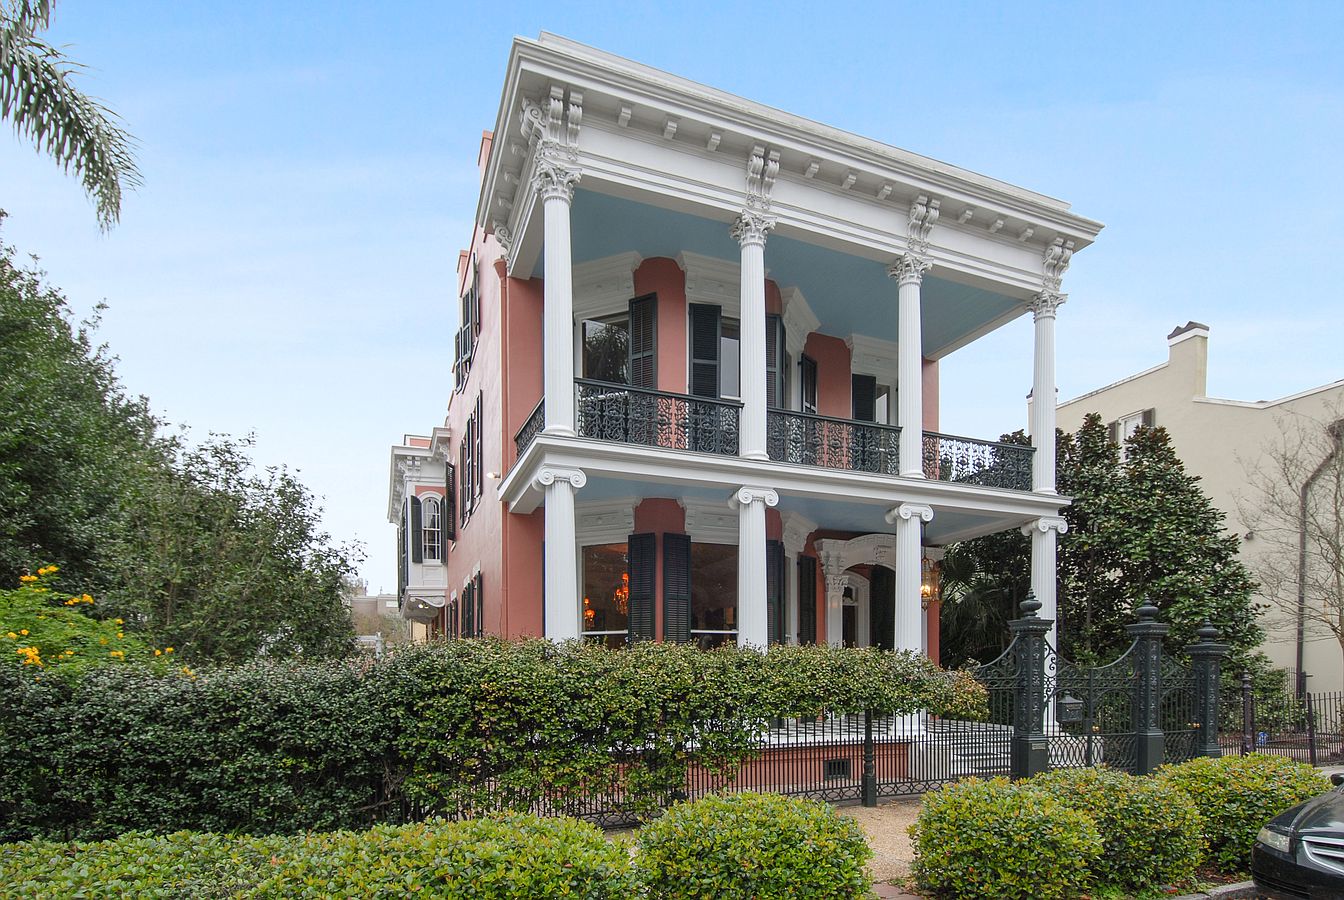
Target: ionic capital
{"points": [[744, 496], [751, 227], [909, 268], [909, 512], [549, 475], [1046, 524]]}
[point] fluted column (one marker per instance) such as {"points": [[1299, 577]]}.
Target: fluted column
{"points": [[908, 270], [753, 619], [1045, 533], [750, 230], [909, 519], [555, 182], [562, 570], [1043, 398]]}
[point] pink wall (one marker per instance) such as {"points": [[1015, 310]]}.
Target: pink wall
{"points": [[833, 382], [774, 303], [662, 276], [930, 379]]}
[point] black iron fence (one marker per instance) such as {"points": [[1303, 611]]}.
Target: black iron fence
{"points": [[531, 428], [1274, 718], [970, 461]]}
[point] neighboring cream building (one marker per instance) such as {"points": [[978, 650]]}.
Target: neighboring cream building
{"points": [[1218, 440]]}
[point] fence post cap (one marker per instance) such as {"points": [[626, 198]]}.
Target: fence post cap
{"points": [[1208, 634], [1029, 605], [1147, 612]]}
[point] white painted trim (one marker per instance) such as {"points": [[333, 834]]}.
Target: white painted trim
{"points": [[711, 521], [604, 521], [797, 528], [874, 356], [713, 281], [799, 321], [604, 287]]}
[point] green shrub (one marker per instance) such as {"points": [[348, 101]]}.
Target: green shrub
{"points": [[511, 858], [751, 846], [996, 839], [1151, 833], [1235, 795]]}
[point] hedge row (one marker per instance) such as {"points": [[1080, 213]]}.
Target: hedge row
{"points": [[453, 729], [1059, 834], [735, 848]]}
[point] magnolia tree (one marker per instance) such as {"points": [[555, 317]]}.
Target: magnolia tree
{"points": [[1295, 506]]}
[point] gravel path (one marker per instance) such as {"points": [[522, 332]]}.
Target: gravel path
{"points": [[885, 826]]}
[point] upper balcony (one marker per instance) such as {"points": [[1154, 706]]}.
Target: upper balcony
{"points": [[649, 418]]}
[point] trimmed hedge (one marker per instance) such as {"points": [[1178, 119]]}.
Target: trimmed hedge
{"points": [[1151, 832], [749, 846], [515, 857], [1235, 795], [453, 729], [996, 839]]}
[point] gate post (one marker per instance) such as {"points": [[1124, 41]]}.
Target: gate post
{"points": [[1206, 659], [1149, 742], [869, 782], [1247, 715], [1030, 748]]}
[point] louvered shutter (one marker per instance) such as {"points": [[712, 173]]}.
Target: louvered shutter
{"points": [[1149, 419], [417, 539], [478, 590], [644, 342], [807, 600], [704, 350], [774, 591], [642, 552], [403, 569], [468, 612], [774, 362], [807, 372], [464, 465], [676, 588], [449, 518], [864, 389], [478, 459]]}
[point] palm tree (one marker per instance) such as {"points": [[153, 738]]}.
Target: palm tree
{"points": [[975, 609], [38, 96]]}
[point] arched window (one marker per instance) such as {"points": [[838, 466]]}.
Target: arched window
{"points": [[431, 529]]}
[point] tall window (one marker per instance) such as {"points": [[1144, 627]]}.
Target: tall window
{"points": [[431, 528], [606, 594], [622, 349], [807, 371], [464, 341], [730, 359], [713, 594], [470, 465]]}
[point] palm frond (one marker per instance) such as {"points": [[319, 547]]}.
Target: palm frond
{"points": [[37, 94]]}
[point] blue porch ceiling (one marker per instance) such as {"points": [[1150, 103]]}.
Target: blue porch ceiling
{"points": [[850, 295]]}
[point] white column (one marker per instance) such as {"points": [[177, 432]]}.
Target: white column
{"points": [[750, 230], [796, 531], [1043, 398], [1045, 533], [753, 620], [555, 183], [909, 271], [909, 519], [836, 582], [562, 570]]}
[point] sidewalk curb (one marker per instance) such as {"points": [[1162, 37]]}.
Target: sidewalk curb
{"points": [[1242, 890]]}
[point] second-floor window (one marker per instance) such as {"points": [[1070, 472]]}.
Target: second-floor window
{"points": [[431, 528], [622, 349], [807, 373], [716, 356], [471, 466], [464, 342]]}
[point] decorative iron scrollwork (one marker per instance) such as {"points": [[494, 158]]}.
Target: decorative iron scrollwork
{"points": [[969, 461], [631, 415], [811, 440]]}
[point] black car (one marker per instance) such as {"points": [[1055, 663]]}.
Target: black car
{"points": [[1300, 853]]}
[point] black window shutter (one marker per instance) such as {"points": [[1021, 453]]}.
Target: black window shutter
{"points": [[464, 464], [704, 350], [417, 539], [478, 459], [478, 589], [864, 389], [475, 298], [644, 342], [642, 551], [1113, 432], [774, 362], [449, 517], [457, 361], [807, 600], [1148, 418], [774, 591], [466, 611], [676, 588], [403, 569], [807, 371]]}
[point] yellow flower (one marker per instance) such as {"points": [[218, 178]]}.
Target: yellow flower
{"points": [[167, 649], [48, 570], [86, 598], [120, 635], [158, 653], [119, 621], [12, 635], [117, 653], [23, 631], [27, 579]]}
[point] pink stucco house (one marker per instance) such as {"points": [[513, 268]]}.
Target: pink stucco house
{"points": [[696, 380]]}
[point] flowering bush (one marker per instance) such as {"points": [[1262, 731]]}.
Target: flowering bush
{"points": [[52, 634]]}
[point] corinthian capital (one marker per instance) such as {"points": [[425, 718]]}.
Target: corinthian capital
{"points": [[909, 268], [1044, 304], [554, 179], [752, 227]]}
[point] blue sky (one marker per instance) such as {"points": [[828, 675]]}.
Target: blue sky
{"points": [[310, 176]]}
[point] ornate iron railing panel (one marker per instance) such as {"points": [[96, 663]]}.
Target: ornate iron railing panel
{"points": [[1177, 715], [969, 461], [531, 428], [630, 415], [1105, 731], [811, 440]]}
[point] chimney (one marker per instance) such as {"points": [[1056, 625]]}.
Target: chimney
{"points": [[1188, 353], [483, 154]]}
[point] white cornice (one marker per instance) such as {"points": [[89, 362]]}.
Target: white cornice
{"points": [[873, 356], [712, 280], [710, 521], [605, 521], [797, 527], [604, 286]]}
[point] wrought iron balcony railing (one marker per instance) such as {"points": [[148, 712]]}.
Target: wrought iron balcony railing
{"points": [[985, 463], [631, 415], [531, 427], [811, 440]]}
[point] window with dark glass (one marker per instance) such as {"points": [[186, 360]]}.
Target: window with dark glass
{"points": [[606, 349], [606, 594], [713, 594], [807, 371]]}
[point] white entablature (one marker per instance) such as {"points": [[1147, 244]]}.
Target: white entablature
{"points": [[630, 130]]}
